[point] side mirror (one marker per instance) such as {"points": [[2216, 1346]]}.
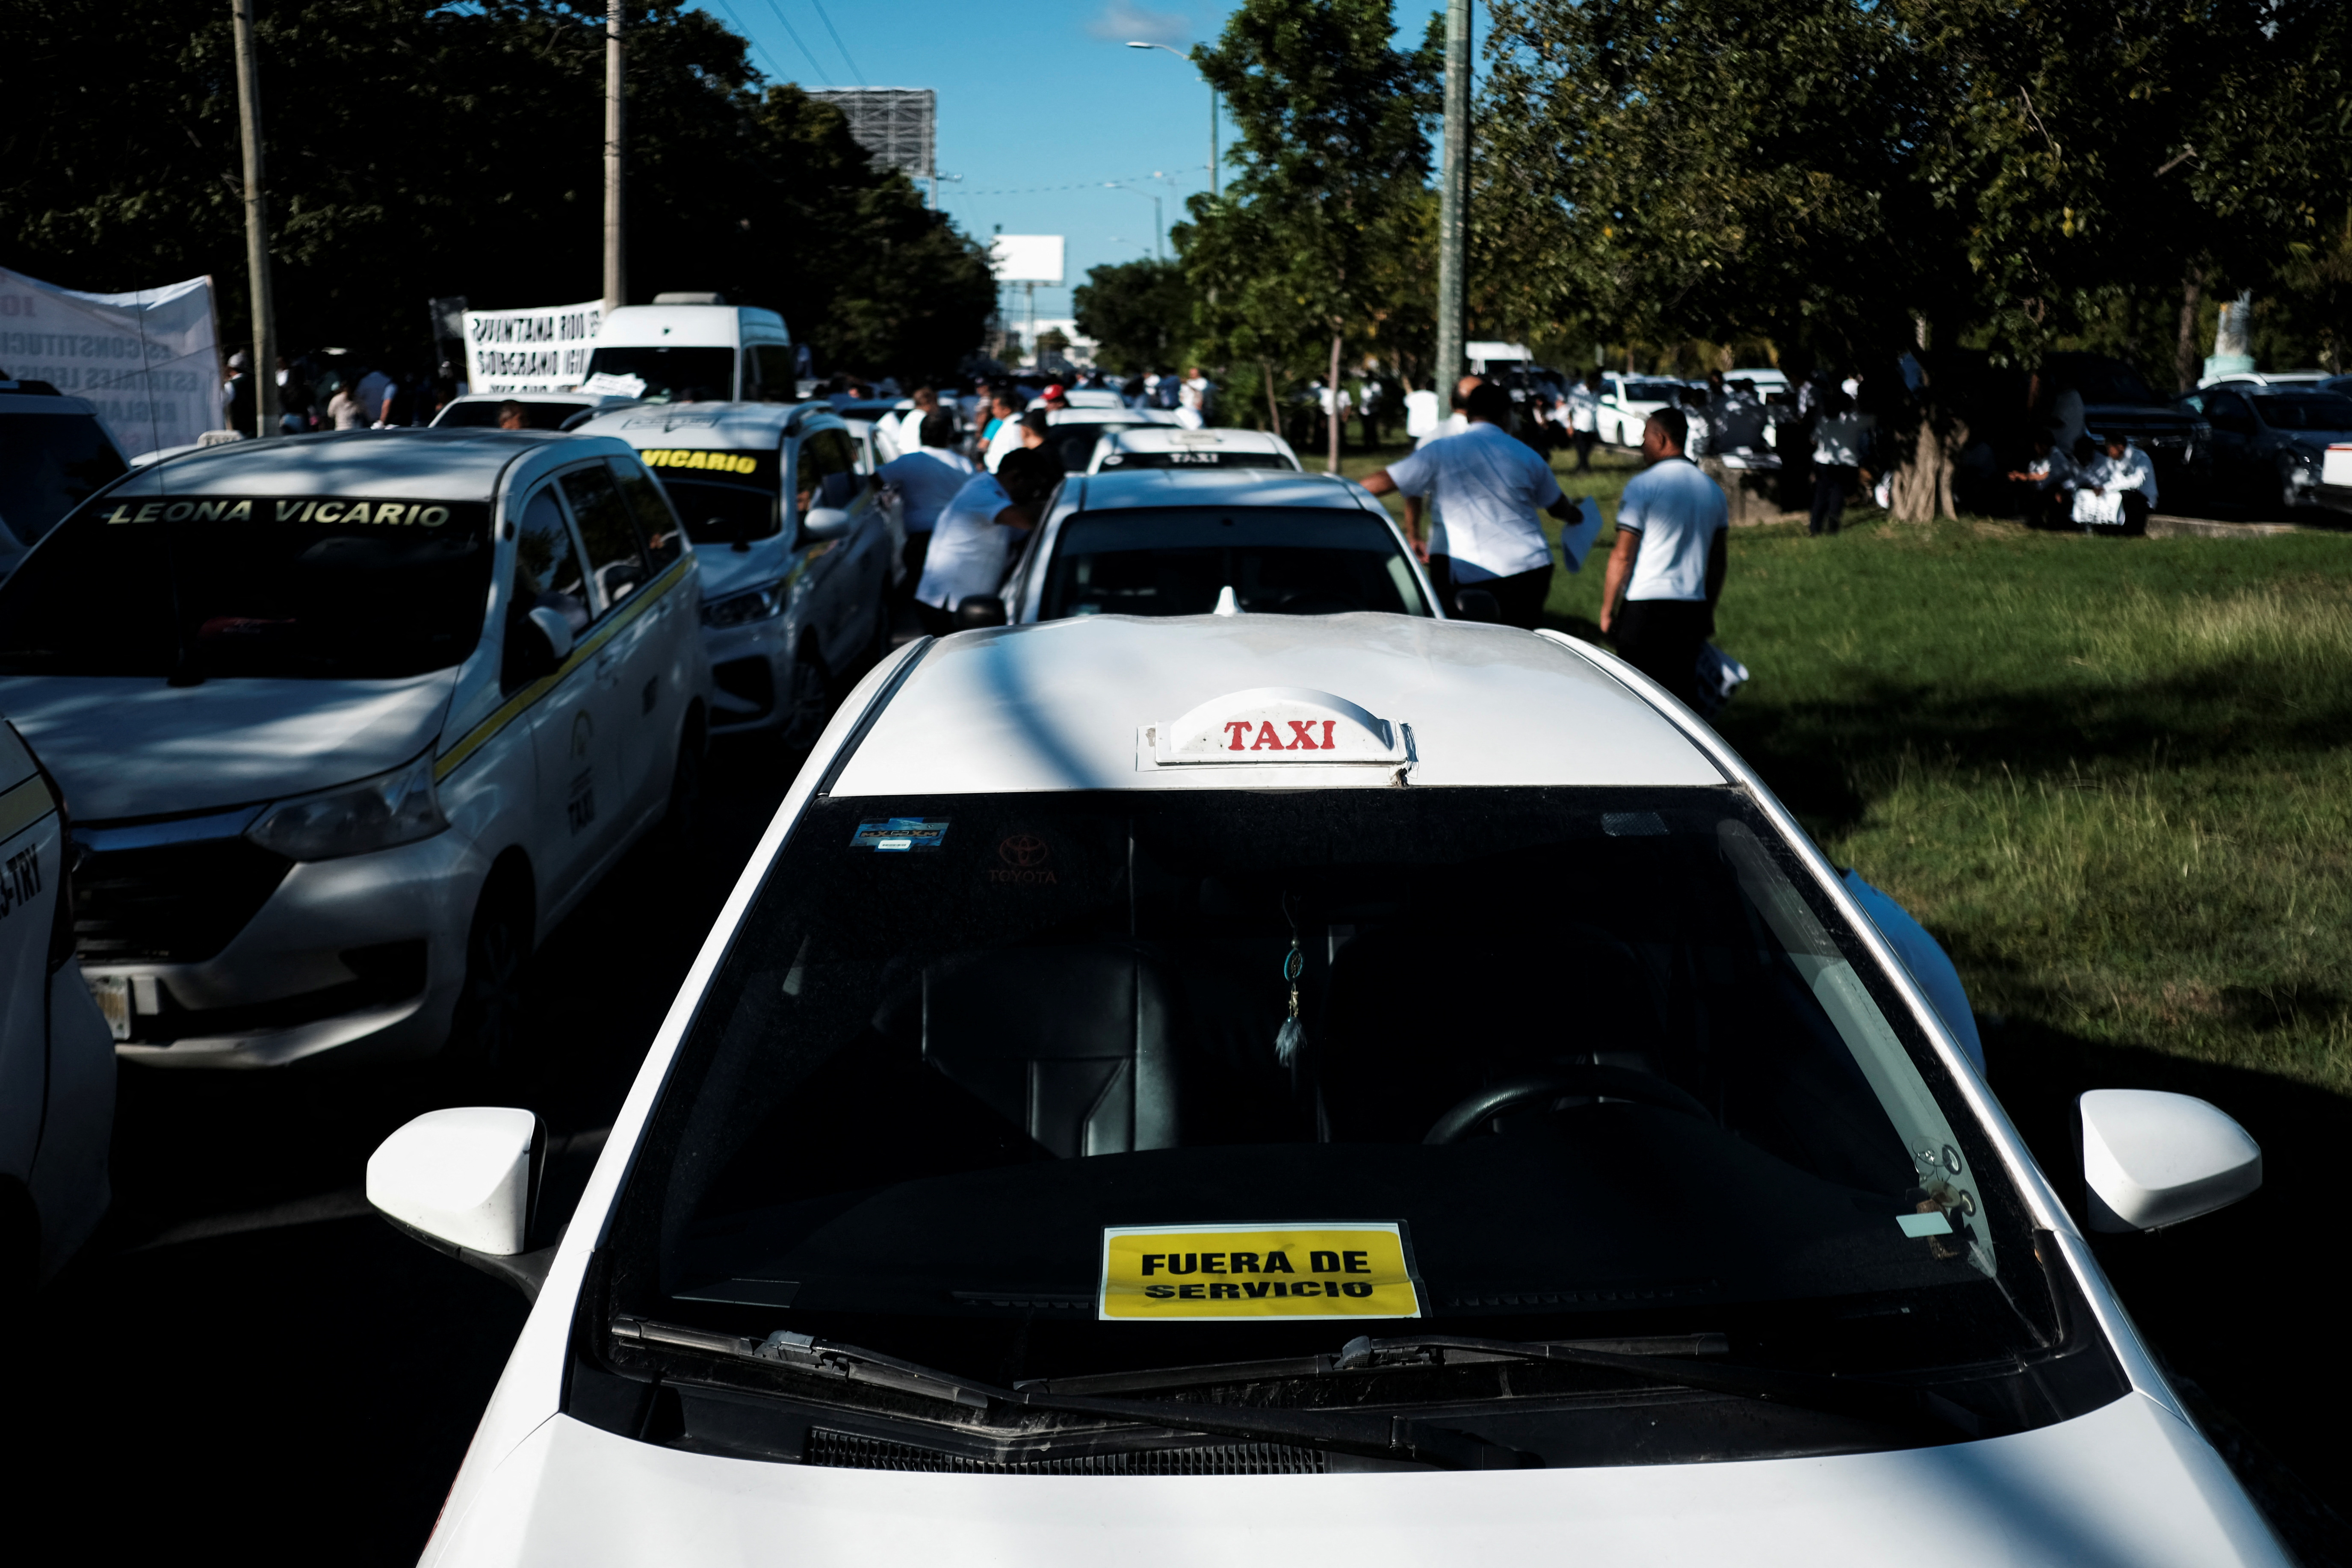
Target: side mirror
{"points": [[2151, 1159], [826, 522], [464, 1181], [1477, 605], [542, 642], [979, 610]]}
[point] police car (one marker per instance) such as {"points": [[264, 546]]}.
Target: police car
{"points": [[347, 721], [1365, 1089], [1173, 446], [56, 1060], [1189, 541], [797, 549]]}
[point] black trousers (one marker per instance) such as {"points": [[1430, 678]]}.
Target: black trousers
{"points": [[1662, 639], [1830, 483], [1519, 596], [1584, 440]]}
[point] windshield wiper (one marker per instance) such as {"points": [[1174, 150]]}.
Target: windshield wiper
{"points": [[1345, 1432], [1868, 1398]]}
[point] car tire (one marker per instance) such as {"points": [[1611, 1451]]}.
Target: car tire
{"points": [[485, 1028]]}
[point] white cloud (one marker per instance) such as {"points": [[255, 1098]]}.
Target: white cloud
{"points": [[1123, 19]]}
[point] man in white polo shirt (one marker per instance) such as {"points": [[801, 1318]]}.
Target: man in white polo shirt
{"points": [[1493, 487], [927, 480], [1657, 602]]}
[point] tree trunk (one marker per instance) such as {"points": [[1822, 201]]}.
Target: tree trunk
{"points": [[1273, 409], [1334, 419], [2186, 360], [1923, 482]]}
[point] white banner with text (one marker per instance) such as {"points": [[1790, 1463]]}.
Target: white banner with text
{"points": [[542, 349], [146, 361]]}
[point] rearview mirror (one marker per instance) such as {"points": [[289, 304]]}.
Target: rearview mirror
{"points": [[2151, 1159], [825, 522], [979, 610], [464, 1181]]}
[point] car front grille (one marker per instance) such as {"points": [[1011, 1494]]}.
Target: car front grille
{"points": [[171, 903], [845, 1450]]}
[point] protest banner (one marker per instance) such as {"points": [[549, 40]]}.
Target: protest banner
{"points": [[146, 361], [543, 350]]}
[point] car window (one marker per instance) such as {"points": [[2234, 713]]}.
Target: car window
{"points": [[671, 375], [992, 1082], [50, 464], [547, 577], [1178, 561], [2229, 411], [828, 469], [616, 562], [657, 526], [2303, 410], [1653, 391], [340, 588], [773, 378], [538, 414]]}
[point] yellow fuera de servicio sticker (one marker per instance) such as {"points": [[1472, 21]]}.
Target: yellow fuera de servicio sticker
{"points": [[1304, 1270]]}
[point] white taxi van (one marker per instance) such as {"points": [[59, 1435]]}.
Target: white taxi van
{"points": [[693, 348], [56, 1059], [1193, 541], [797, 545], [1364, 1089], [347, 721]]}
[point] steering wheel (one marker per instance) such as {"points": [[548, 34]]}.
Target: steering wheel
{"points": [[1617, 1083]]}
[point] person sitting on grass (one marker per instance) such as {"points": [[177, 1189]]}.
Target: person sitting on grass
{"points": [[2052, 476], [2117, 490]]}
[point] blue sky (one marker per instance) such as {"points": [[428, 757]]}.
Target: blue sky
{"points": [[1040, 102]]}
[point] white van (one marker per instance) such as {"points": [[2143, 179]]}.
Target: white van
{"points": [[694, 348]]}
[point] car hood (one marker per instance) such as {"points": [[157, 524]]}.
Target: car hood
{"points": [[132, 746], [726, 570], [2127, 1484]]}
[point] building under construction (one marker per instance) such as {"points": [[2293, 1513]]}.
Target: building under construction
{"points": [[898, 125]]}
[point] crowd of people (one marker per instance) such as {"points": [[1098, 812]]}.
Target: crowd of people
{"points": [[335, 391]]}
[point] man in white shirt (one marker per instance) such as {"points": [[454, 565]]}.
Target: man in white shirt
{"points": [[1494, 486], [974, 536], [1665, 573], [906, 429], [2116, 489], [927, 480], [1008, 429], [1430, 545], [1583, 409]]}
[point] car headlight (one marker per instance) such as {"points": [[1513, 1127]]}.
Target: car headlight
{"points": [[397, 807], [741, 609]]}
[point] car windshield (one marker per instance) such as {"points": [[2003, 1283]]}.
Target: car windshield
{"points": [[1199, 457], [50, 464], [1063, 1085], [1178, 561], [342, 587], [1653, 391], [672, 375], [538, 414], [717, 513], [2303, 410]]}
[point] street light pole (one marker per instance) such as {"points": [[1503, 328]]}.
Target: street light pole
{"points": [[264, 369], [1159, 249], [1140, 44], [616, 278], [1453, 196]]}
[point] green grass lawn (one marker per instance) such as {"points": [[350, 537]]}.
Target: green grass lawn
{"points": [[2110, 775]]}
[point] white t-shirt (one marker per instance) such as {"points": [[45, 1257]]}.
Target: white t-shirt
{"points": [[1678, 510], [1583, 408], [926, 482], [1452, 424], [969, 546], [1006, 439], [1494, 487]]}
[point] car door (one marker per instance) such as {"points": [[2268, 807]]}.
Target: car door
{"points": [[2235, 434], [671, 641], [624, 646], [576, 785], [841, 578]]}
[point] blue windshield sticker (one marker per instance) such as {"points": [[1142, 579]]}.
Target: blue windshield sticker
{"points": [[900, 835]]}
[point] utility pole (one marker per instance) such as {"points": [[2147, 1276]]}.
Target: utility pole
{"points": [[1453, 198], [617, 278], [264, 369]]}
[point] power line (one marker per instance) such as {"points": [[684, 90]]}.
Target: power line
{"points": [[821, 15], [1034, 190], [795, 37], [772, 64]]}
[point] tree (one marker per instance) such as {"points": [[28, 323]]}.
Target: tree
{"points": [[420, 147], [1139, 314], [1304, 243]]}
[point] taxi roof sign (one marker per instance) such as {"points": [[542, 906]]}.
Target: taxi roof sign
{"points": [[1283, 725]]}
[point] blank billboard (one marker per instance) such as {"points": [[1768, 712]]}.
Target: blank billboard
{"points": [[1026, 257]]}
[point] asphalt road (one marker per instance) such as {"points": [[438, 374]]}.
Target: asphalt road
{"points": [[246, 1360]]}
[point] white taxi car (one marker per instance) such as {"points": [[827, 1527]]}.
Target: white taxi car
{"points": [[1173, 446], [56, 1059], [348, 722], [1189, 541], [1364, 1089], [797, 545]]}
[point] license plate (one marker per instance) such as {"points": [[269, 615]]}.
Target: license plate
{"points": [[113, 994]]}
